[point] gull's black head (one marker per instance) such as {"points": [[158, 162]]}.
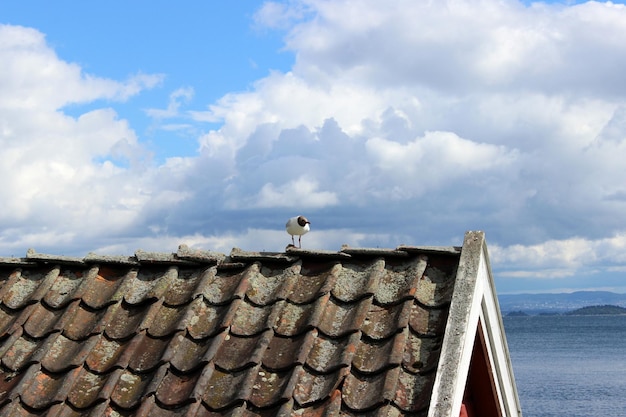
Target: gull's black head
{"points": [[302, 221]]}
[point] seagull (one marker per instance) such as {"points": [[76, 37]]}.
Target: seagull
{"points": [[297, 226]]}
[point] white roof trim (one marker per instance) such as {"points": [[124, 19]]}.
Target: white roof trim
{"points": [[474, 301]]}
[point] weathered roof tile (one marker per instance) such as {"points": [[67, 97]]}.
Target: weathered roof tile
{"points": [[124, 320], [147, 352], [43, 320], [176, 388], [63, 353], [184, 285], [63, 288], [167, 320], [373, 356], [186, 353], [327, 354], [382, 321], [11, 319], [107, 354], [131, 387], [312, 387], [249, 319], [271, 388], [225, 388], [103, 288], [339, 318], [27, 286], [365, 391], [316, 280], [269, 284], [237, 352], [413, 391], [46, 388], [399, 279], [87, 389], [286, 352], [204, 320], [294, 319], [80, 321], [18, 351], [310, 333], [223, 287], [358, 280]]}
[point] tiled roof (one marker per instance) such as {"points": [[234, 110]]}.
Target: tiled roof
{"points": [[196, 333]]}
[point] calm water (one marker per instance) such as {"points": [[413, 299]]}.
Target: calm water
{"points": [[571, 366]]}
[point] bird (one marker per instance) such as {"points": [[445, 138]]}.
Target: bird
{"points": [[298, 225]]}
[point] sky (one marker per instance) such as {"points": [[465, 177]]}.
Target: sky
{"points": [[146, 125]]}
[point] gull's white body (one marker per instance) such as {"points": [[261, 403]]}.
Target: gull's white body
{"points": [[297, 226]]}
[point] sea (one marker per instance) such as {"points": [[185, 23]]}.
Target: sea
{"points": [[571, 366]]}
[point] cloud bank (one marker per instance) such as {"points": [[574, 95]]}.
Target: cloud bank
{"points": [[400, 122]]}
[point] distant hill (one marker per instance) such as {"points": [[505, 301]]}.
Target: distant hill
{"points": [[599, 311], [558, 303]]}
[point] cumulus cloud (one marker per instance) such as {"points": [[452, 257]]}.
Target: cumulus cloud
{"points": [[561, 258], [399, 122], [63, 177]]}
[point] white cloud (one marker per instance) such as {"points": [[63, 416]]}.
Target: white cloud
{"points": [[399, 121], [64, 178], [177, 98], [301, 192], [437, 157], [561, 258]]}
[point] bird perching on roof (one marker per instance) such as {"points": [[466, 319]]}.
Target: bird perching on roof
{"points": [[298, 225]]}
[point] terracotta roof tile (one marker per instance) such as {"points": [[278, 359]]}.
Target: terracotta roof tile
{"points": [[237, 352], [63, 288], [125, 319], [63, 353], [132, 387], [107, 354], [373, 355], [356, 281], [103, 288], [223, 288], [305, 333], [295, 319], [312, 387], [413, 391], [42, 320], [88, 388], [204, 320], [327, 354], [177, 388], [147, 352], [383, 321], [249, 319], [225, 388], [27, 286], [184, 285], [10, 319], [271, 388], [167, 320], [19, 350], [366, 391], [46, 388], [81, 321], [186, 353], [339, 318], [286, 352]]}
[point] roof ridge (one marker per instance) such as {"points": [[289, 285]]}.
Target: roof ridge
{"points": [[189, 256]]}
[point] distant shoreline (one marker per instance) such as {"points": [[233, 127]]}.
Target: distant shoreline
{"points": [[596, 310]]}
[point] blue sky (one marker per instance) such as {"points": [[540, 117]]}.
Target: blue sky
{"points": [[128, 125]]}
